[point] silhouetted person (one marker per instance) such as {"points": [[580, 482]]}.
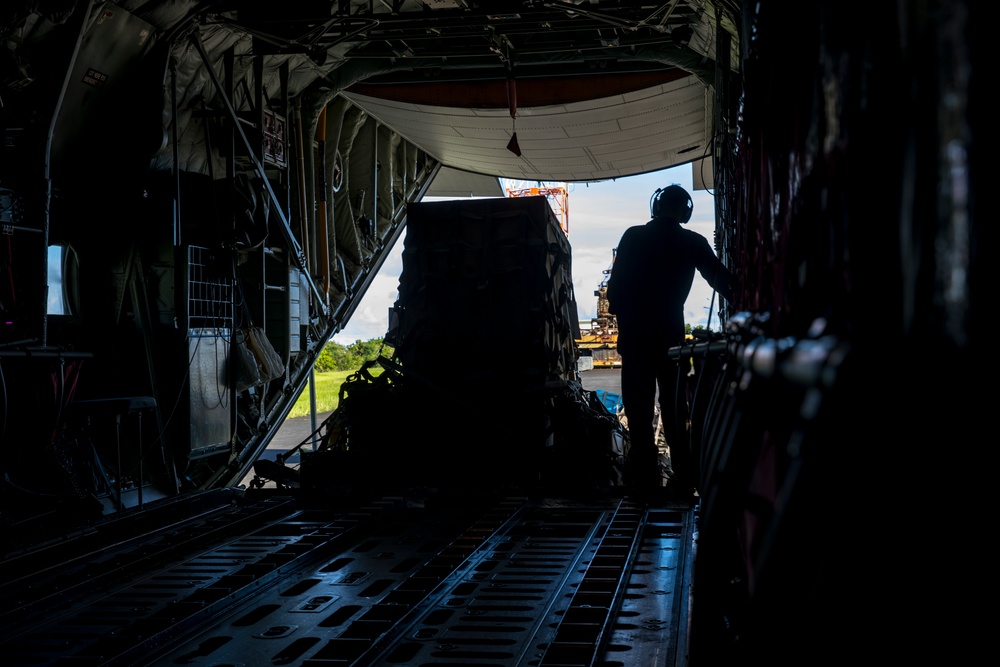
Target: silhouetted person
{"points": [[650, 280]]}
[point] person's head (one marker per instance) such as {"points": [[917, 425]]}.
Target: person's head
{"points": [[672, 202]]}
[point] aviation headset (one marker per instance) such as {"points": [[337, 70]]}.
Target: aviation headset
{"points": [[672, 201]]}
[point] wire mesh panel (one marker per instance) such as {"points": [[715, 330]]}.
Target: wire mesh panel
{"points": [[210, 290], [210, 308]]}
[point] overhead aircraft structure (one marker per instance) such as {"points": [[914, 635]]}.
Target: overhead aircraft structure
{"points": [[195, 195]]}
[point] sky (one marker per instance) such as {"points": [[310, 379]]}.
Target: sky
{"points": [[598, 214]]}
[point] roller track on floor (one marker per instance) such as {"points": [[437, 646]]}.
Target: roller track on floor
{"points": [[227, 578]]}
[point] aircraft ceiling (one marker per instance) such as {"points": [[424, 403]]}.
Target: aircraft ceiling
{"points": [[593, 89], [631, 132]]}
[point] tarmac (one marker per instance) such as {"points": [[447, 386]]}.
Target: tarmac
{"points": [[297, 430]]}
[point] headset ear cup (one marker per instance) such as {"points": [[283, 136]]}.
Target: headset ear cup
{"points": [[688, 210], [673, 202]]}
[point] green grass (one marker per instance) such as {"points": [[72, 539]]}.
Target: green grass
{"points": [[327, 393]]}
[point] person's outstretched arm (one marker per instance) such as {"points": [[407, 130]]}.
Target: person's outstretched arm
{"points": [[715, 272]]}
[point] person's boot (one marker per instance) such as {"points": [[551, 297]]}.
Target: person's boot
{"points": [[643, 473], [680, 489]]}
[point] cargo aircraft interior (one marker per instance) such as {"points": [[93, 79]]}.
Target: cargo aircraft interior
{"points": [[196, 194]]}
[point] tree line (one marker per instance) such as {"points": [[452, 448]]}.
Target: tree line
{"points": [[337, 357]]}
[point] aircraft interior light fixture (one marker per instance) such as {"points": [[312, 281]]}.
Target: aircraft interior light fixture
{"points": [[681, 35], [401, 49]]}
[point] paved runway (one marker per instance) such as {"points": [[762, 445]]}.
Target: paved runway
{"points": [[608, 379]]}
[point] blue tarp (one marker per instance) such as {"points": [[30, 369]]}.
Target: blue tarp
{"points": [[613, 402]]}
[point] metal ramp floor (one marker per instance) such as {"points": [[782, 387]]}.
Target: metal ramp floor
{"points": [[228, 578]]}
